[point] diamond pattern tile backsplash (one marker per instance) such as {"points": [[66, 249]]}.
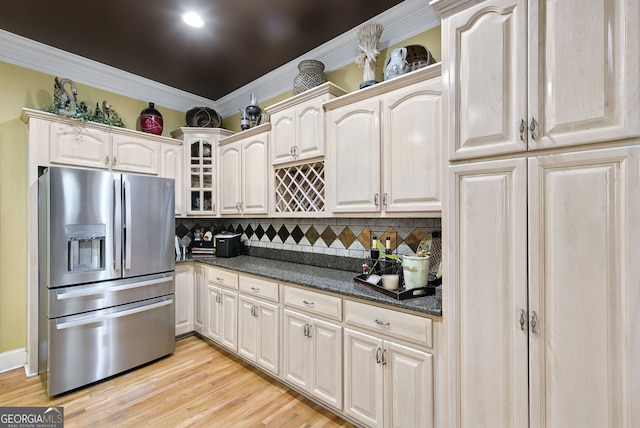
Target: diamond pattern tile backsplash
{"points": [[346, 237]]}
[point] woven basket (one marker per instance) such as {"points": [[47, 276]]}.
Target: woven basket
{"points": [[203, 117], [418, 56]]}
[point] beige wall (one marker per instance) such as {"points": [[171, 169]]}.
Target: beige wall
{"points": [[349, 77], [21, 87]]}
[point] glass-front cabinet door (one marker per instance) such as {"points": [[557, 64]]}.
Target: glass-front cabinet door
{"points": [[201, 178]]}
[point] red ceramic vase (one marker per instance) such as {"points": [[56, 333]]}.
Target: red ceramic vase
{"points": [[151, 120]]}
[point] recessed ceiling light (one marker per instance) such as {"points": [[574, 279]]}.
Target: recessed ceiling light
{"points": [[193, 19]]}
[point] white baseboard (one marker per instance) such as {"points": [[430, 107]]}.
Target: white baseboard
{"points": [[13, 359]]}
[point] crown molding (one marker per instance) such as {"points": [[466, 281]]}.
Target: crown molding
{"points": [[37, 56], [400, 22]]}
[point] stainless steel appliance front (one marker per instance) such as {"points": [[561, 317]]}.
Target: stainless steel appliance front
{"points": [[106, 274]]}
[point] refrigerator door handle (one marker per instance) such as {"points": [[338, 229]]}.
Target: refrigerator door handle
{"points": [[127, 223], [100, 318], [117, 225], [99, 291]]}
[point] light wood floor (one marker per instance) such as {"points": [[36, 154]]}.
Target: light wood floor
{"points": [[197, 386]]}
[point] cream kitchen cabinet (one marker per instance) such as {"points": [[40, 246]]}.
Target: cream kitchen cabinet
{"points": [[259, 322], [385, 143], [244, 172], [258, 326], [184, 299], [312, 346], [542, 87], [387, 383], [81, 144], [297, 125], [222, 307], [543, 255], [200, 146], [171, 166], [199, 295]]}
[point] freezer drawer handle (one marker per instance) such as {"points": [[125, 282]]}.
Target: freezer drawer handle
{"points": [[94, 292], [71, 324]]}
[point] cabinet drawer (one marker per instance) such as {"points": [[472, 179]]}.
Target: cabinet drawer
{"points": [[316, 303], [259, 287], [397, 324], [223, 277]]}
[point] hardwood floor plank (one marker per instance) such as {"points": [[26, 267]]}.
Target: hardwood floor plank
{"points": [[198, 386]]}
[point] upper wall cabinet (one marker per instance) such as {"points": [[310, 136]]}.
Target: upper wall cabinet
{"points": [[56, 140], [297, 124], [244, 172], [65, 141], [577, 83], [384, 147], [200, 145]]}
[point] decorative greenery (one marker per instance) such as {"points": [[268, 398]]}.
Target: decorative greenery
{"points": [[81, 112]]}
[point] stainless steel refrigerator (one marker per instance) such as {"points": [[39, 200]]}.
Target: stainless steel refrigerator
{"points": [[106, 274]]}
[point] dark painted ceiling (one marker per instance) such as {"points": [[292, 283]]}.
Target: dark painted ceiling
{"points": [[241, 40]]}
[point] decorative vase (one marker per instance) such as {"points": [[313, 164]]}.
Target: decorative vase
{"points": [[311, 75], [253, 110], [151, 120]]}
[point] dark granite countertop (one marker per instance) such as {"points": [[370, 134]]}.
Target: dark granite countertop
{"points": [[321, 278]]}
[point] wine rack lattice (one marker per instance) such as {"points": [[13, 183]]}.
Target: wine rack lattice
{"points": [[300, 188]]}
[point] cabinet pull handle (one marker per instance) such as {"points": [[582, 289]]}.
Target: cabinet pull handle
{"points": [[533, 322], [115, 161], [106, 160], [219, 279], [384, 357], [382, 323], [254, 311], [378, 355], [291, 151], [532, 127], [309, 330], [375, 199], [522, 319], [256, 289], [522, 126], [304, 330], [311, 304], [384, 199], [219, 298]]}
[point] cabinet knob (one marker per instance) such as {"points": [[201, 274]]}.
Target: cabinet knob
{"points": [[382, 323], [532, 127], [533, 322]]}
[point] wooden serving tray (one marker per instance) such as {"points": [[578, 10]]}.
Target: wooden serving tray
{"points": [[401, 293]]}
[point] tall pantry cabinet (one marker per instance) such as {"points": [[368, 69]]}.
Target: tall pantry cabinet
{"points": [[542, 123]]}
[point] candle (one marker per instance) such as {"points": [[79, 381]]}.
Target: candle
{"points": [[391, 282]]}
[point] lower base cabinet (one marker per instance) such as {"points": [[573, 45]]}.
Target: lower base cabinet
{"points": [[222, 316], [184, 300], [387, 384], [258, 326], [313, 356]]}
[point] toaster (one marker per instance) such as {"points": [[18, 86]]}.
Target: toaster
{"points": [[227, 244]]}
